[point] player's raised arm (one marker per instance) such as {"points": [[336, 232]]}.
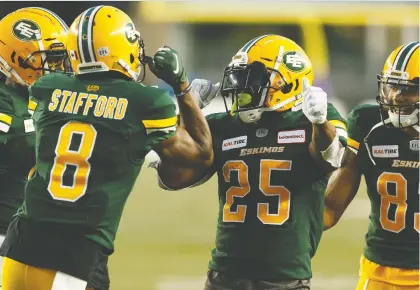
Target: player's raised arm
{"points": [[342, 188], [344, 182], [326, 146], [189, 152]]}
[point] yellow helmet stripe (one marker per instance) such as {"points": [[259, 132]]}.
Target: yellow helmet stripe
{"points": [[272, 75], [85, 34], [252, 42], [90, 33], [80, 35], [403, 55], [410, 53], [58, 18]]}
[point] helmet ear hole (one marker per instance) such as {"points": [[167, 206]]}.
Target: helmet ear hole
{"points": [[22, 63], [287, 88], [131, 58]]}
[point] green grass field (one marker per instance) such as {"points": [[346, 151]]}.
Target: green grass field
{"points": [[165, 238]]}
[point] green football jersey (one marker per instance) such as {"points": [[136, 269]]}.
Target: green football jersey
{"points": [[17, 153], [91, 139], [271, 195], [389, 160]]}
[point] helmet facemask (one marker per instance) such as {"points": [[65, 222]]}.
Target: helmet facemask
{"points": [[54, 59], [398, 99], [247, 85], [143, 58]]}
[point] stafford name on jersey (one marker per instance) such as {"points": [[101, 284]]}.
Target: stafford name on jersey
{"points": [[84, 103]]}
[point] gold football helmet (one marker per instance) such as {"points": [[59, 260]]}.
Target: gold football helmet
{"points": [[398, 87], [266, 74], [104, 38], [32, 43]]}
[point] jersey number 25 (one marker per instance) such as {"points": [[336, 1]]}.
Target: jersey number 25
{"points": [[280, 192]]}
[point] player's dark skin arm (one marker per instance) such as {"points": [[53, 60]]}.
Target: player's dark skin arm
{"points": [[342, 188], [188, 155], [322, 136]]}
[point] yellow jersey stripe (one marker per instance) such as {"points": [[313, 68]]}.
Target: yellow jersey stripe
{"points": [[32, 105], [162, 123], [339, 124], [353, 143], [341, 133], [165, 130], [31, 172], [6, 119]]}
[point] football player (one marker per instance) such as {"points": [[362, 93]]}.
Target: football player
{"points": [[273, 151], [31, 45], [93, 130], [383, 146]]}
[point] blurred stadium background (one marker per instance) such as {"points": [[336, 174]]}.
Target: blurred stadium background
{"points": [[165, 238]]}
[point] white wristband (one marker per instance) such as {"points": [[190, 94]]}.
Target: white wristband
{"points": [[334, 153]]}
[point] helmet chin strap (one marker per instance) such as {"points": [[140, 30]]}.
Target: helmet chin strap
{"points": [[252, 116], [133, 74], [284, 103], [403, 121]]}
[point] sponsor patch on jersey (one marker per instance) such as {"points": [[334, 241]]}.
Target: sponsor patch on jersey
{"points": [[294, 136], [29, 125], [261, 132], [385, 151], [233, 143], [414, 145]]}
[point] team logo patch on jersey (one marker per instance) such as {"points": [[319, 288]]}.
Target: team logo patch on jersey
{"points": [[93, 88], [262, 132], [385, 151], [233, 143], [26, 30], [414, 145], [294, 136]]}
